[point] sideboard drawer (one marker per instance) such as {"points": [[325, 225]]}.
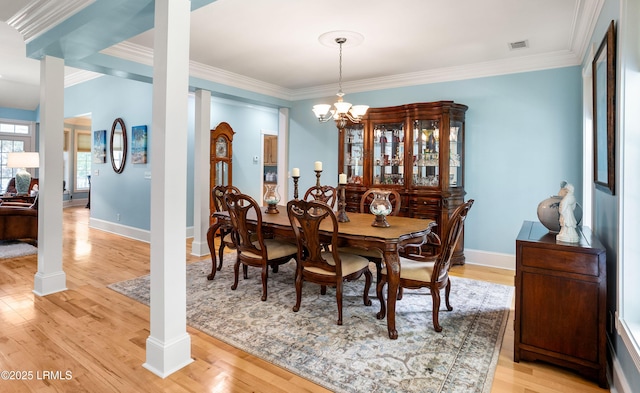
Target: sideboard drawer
{"points": [[558, 260]]}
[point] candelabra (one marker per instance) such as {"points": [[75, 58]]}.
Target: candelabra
{"points": [[342, 204]]}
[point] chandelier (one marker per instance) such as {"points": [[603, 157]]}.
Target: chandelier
{"points": [[342, 111]]}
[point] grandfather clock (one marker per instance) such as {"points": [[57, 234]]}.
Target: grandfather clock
{"points": [[220, 171]]}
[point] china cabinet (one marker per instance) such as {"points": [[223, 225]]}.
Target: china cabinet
{"points": [[414, 149], [220, 172]]}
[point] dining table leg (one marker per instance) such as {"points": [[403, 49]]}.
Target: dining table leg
{"points": [[393, 279], [211, 235]]}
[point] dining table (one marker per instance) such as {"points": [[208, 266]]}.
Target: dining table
{"points": [[357, 232]]}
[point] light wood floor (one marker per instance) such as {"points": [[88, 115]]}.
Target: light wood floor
{"points": [[99, 335]]}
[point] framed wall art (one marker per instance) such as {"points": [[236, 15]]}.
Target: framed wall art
{"points": [[139, 144], [99, 147], [604, 112]]}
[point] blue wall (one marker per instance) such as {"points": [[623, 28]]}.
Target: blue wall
{"points": [[18, 114], [105, 99], [128, 194], [523, 137]]}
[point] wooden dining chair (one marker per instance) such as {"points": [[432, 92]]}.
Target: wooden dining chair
{"points": [[253, 249], [374, 255], [317, 265], [326, 194], [430, 272], [226, 236]]}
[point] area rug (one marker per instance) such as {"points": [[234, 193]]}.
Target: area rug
{"points": [[357, 356], [14, 248]]}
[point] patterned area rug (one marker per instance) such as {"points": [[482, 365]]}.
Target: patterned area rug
{"points": [[14, 248], [358, 356]]}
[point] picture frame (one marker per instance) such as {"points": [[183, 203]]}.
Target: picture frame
{"points": [[100, 147], [139, 144], [604, 112]]}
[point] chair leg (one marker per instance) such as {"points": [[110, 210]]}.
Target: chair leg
{"points": [[265, 277], [245, 271], [435, 296], [447, 290], [220, 254], [368, 277], [400, 291], [323, 289], [339, 300], [236, 273], [379, 292], [298, 290]]}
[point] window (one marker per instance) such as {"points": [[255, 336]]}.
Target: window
{"points": [[14, 137], [83, 160]]}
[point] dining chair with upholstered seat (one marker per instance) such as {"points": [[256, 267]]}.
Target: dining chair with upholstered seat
{"points": [[326, 194], [431, 272], [226, 230], [375, 255], [253, 249], [314, 262]]}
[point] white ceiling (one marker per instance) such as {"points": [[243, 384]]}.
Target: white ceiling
{"points": [[275, 42]]}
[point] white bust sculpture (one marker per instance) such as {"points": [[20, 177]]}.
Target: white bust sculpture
{"points": [[568, 222]]}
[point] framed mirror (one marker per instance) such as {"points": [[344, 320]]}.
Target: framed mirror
{"points": [[118, 145], [604, 112]]}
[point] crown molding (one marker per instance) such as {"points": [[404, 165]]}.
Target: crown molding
{"points": [[41, 15], [584, 25], [76, 76], [471, 71], [137, 53], [144, 55]]}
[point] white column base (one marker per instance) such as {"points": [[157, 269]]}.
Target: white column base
{"points": [[163, 359], [200, 249], [46, 284]]}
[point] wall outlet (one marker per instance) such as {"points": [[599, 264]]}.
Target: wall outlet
{"points": [[118, 217]]}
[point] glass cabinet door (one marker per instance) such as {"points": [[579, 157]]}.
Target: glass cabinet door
{"points": [[388, 153], [353, 160], [426, 149], [455, 154], [222, 174]]}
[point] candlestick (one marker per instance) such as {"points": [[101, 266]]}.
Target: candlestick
{"points": [[295, 186], [317, 166], [342, 178], [342, 204]]}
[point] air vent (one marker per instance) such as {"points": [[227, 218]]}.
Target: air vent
{"points": [[519, 45]]}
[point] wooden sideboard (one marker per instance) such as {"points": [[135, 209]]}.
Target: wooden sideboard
{"points": [[561, 301]]}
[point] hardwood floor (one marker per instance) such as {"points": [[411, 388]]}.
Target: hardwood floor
{"points": [[99, 335]]}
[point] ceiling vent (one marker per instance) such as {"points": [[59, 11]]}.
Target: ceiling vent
{"points": [[519, 45]]}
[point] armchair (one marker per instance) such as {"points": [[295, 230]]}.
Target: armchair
{"points": [[430, 272]]}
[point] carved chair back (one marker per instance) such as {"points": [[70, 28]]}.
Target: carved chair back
{"points": [[218, 193], [449, 241], [306, 218], [240, 207], [326, 194]]}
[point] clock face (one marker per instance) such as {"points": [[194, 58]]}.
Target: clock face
{"points": [[221, 148]]}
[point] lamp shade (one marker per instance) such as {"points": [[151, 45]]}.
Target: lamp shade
{"points": [[23, 160]]}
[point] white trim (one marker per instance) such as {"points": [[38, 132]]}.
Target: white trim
{"points": [[587, 144], [490, 259], [564, 58], [41, 15], [119, 229], [625, 332], [617, 380], [74, 76]]}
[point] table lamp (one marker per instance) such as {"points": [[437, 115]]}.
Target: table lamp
{"points": [[23, 160]]}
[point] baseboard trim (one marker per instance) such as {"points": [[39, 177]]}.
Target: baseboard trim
{"points": [[490, 259], [119, 229]]}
